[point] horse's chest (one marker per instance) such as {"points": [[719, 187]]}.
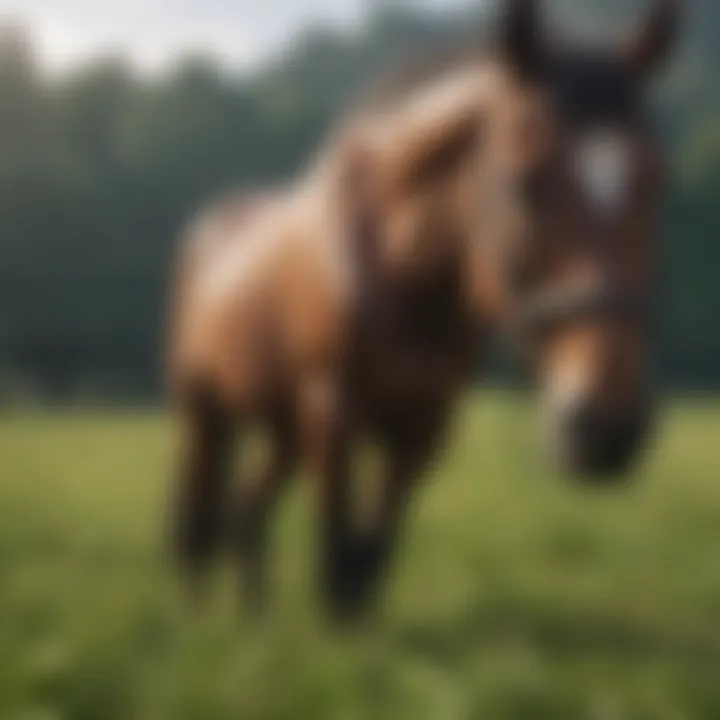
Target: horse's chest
{"points": [[414, 351]]}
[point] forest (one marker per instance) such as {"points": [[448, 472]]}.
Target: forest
{"points": [[101, 166]]}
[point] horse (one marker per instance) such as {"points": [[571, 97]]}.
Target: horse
{"points": [[516, 190]]}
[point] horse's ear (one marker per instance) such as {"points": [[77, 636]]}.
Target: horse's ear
{"points": [[522, 38], [651, 45]]}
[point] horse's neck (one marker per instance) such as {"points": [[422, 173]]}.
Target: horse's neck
{"points": [[420, 154]]}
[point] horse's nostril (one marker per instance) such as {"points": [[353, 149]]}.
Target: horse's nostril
{"points": [[601, 443], [583, 423]]}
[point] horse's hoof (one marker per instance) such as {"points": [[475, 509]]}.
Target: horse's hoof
{"points": [[352, 581]]}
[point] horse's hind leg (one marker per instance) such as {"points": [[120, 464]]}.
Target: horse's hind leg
{"points": [[202, 476], [257, 498]]}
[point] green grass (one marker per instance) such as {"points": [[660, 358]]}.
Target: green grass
{"points": [[518, 595]]}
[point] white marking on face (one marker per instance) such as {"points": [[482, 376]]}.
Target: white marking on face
{"points": [[603, 164], [564, 387]]}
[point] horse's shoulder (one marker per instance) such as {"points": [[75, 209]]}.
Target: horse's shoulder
{"points": [[221, 222]]}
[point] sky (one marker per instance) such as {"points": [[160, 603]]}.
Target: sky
{"points": [[153, 32]]}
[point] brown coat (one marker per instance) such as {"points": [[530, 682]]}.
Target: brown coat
{"points": [[275, 288]]}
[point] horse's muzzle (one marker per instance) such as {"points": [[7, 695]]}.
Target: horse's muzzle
{"points": [[598, 444]]}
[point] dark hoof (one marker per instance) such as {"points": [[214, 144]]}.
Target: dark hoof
{"points": [[194, 546], [352, 579]]}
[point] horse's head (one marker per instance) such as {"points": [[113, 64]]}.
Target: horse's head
{"points": [[573, 234]]}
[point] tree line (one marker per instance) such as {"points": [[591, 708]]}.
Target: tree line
{"points": [[100, 168]]}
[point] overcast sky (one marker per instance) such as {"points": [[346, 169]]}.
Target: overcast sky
{"points": [[153, 31]]}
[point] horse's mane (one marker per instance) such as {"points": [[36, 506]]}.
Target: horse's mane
{"points": [[418, 78], [417, 71]]}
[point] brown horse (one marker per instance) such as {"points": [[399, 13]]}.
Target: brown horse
{"points": [[516, 189]]}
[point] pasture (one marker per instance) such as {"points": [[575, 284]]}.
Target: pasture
{"points": [[518, 595]]}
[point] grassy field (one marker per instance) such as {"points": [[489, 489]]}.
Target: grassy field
{"points": [[518, 595]]}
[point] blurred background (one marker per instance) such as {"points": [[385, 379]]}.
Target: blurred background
{"points": [[117, 121], [517, 596]]}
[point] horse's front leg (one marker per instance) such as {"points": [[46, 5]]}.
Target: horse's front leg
{"points": [[408, 455], [329, 435], [256, 500], [201, 485]]}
